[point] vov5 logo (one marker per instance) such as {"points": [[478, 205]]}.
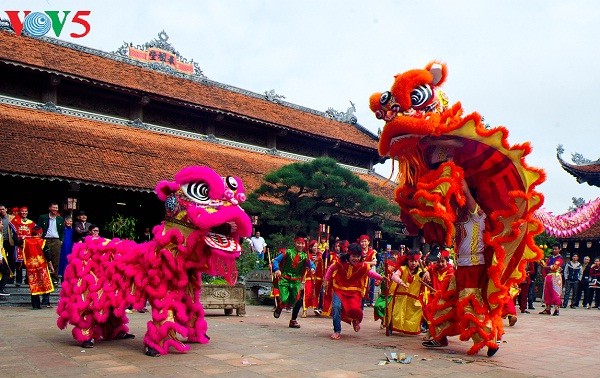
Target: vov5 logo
{"points": [[39, 24]]}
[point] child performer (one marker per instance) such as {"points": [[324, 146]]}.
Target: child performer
{"points": [[347, 277], [290, 267], [313, 283], [438, 275], [39, 267], [384, 299], [340, 249], [406, 310]]}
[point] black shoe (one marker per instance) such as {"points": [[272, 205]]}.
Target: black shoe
{"points": [[88, 344], [555, 313], [124, 335], [4, 293], [531, 308], [277, 312], [491, 351]]}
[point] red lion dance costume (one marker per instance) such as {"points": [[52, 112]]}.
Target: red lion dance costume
{"points": [[438, 151], [200, 234]]}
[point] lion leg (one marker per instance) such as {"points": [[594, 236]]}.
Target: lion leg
{"points": [[196, 325], [168, 319]]}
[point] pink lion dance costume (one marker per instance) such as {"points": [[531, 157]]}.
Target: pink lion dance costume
{"points": [[200, 233]]}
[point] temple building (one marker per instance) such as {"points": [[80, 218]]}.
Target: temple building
{"points": [[96, 130], [587, 242]]}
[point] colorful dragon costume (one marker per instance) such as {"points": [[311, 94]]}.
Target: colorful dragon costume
{"points": [[438, 149], [200, 234]]}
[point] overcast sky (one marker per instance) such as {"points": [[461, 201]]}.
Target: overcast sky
{"points": [[531, 66]]}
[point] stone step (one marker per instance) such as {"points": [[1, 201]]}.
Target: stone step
{"points": [[21, 296]]}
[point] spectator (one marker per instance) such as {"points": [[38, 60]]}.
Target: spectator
{"points": [[81, 227], [67, 246], [573, 273], [258, 245], [94, 231], [584, 284], [595, 283], [4, 270], [9, 240], [24, 227], [146, 236], [531, 295], [53, 227]]}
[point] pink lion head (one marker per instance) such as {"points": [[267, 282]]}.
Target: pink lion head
{"points": [[201, 199]]}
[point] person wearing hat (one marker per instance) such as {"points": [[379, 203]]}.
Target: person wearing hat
{"points": [[39, 267], [348, 277], [81, 227], [370, 258], [289, 268], [438, 278], [24, 227], [406, 311]]}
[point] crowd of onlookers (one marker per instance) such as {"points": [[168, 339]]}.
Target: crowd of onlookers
{"points": [[21, 251]]}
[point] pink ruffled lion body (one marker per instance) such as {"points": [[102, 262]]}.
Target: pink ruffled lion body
{"points": [[200, 234]]}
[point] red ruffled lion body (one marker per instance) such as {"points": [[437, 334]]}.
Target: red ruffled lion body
{"points": [[436, 147]]}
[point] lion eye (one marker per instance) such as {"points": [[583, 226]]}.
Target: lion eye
{"points": [[385, 98], [231, 183], [197, 191], [421, 96]]}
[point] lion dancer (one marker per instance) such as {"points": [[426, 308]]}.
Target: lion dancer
{"points": [[313, 283], [290, 267], [465, 296]]}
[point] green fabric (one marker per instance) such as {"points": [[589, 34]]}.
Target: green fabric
{"points": [[289, 289], [379, 306]]}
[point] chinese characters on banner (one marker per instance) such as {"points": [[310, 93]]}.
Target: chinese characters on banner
{"points": [[154, 54]]}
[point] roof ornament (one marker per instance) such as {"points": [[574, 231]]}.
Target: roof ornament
{"points": [[560, 150], [5, 25], [347, 117], [49, 107], [160, 55], [578, 159], [273, 97]]}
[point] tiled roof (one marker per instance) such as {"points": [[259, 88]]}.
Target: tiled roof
{"points": [[53, 145], [63, 60]]}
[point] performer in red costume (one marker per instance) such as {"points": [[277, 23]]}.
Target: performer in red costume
{"points": [[348, 278], [24, 227]]}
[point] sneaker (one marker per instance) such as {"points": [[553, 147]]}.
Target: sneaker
{"points": [[556, 312], [4, 293], [318, 312], [435, 344], [294, 324], [88, 344], [128, 311]]}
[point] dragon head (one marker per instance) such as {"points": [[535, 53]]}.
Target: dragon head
{"points": [[200, 199]]}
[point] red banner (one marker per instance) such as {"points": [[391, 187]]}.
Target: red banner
{"points": [[161, 56]]}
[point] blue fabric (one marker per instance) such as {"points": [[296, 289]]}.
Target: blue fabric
{"points": [[65, 250], [336, 313]]}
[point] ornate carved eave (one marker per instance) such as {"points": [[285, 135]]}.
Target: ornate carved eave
{"points": [[584, 170]]}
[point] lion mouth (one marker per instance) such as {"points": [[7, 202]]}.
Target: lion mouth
{"points": [[222, 242], [221, 238]]}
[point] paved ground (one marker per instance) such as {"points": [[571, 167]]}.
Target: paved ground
{"points": [[258, 345]]}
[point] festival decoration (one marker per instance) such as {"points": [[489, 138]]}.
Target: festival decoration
{"points": [[200, 233], [436, 148], [571, 223]]}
